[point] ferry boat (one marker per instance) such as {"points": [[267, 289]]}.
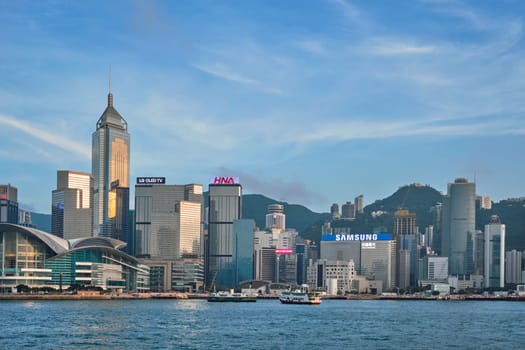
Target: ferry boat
{"points": [[224, 296], [300, 298]]}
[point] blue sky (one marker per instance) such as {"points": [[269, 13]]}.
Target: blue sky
{"points": [[310, 102]]}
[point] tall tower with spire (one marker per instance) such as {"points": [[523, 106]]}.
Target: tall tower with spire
{"points": [[110, 169]]}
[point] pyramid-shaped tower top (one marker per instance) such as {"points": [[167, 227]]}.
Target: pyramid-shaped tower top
{"points": [[111, 118]]}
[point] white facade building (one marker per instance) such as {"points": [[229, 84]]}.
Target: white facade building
{"points": [[72, 201], [374, 259], [322, 273], [275, 219], [436, 268]]}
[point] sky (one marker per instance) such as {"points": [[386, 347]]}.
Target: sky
{"points": [[309, 102]]}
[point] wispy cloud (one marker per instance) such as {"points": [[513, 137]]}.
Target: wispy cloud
{"points": [[356, 130], [52, 139], [311, 46], [353, 16], [224, 72], [394, 48], [461, 11]]}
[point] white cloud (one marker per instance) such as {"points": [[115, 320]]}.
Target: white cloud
{"points": [[392, 48], [354, 130], [52, 139], [222, 71]]}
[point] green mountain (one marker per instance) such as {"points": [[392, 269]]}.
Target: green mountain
{"points": [[254, 206], [419, 200], [415, 198], [512, 214]]}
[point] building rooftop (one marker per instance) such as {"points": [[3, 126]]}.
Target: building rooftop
{"points": [[111, 117]]}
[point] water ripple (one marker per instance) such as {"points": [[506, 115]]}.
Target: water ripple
{"points": [[196, 324]]}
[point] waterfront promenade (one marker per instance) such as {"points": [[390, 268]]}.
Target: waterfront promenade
{"points": [[138, 296]]}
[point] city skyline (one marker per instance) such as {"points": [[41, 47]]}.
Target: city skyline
{"points": [[310, 103]]}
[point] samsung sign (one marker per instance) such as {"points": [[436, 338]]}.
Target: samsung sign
{"points": [[358, 237], [151, 180]]}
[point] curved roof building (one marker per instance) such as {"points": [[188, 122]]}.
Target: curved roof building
{"points": [[38, 259]]}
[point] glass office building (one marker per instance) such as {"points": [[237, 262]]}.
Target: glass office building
{"points": [[458, 219], [224, 207], [494, 253], [110, 169], [242, 251]]}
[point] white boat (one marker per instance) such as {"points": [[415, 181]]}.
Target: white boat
{"points": [[300, 298], [224, 296]]}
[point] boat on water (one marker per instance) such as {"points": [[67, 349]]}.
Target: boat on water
{"points": [[300, 298], [224, 296]]}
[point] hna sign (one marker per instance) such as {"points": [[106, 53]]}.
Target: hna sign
{"points": [[224, 180]]}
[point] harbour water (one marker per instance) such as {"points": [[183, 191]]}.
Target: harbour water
{"points": [[266, 324]]}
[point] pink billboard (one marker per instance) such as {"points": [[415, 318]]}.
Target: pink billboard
{"points": [[283, 251]]}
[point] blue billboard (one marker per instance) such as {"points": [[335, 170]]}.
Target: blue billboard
{"points": [[357, 237]]}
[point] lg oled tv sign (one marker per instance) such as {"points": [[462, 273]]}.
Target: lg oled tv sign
{"points": [[358, 237], [224, 180], [151, 180]]}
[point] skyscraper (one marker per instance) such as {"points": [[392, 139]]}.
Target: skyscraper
{"points": [[224, 207], [435, 268], [513, 266], [483, 202], [405, 231], [374, 255], [242, 250], [168, 233], [110, 169], [359, 202], [71, 210], [437, 213], [168, 220], [494, 253], [459, 218], [301, 252], [334, 211], [275, 219], [8, 204], [348, 211]]}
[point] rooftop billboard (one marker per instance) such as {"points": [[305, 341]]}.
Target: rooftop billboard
{"points": [[228, 180], [283, 251], [358, 237], [150, 180]]}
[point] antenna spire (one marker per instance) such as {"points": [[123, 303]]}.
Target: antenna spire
{"points": [[110, 95]]}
